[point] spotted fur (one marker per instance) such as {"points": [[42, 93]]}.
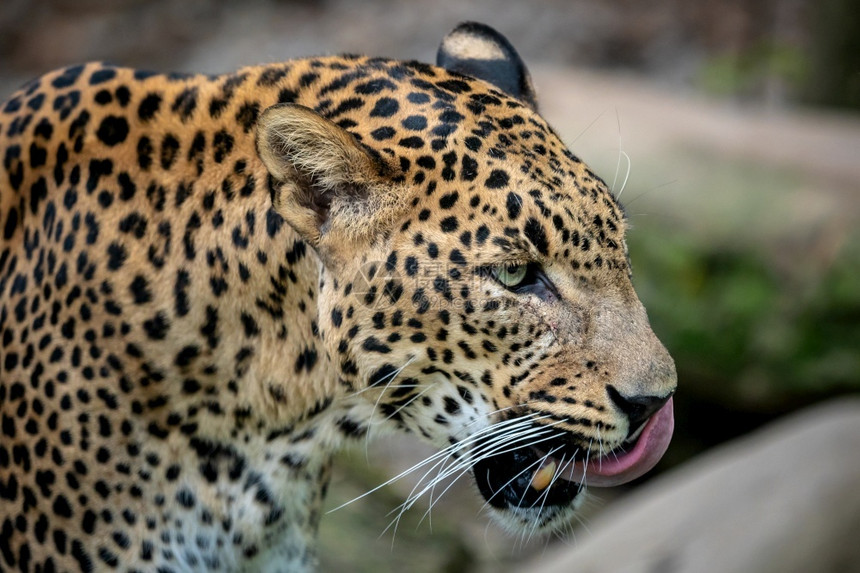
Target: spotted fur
{"points": [[208, 284]]}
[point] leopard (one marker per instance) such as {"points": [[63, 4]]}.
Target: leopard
{"points": [[210, 284]]}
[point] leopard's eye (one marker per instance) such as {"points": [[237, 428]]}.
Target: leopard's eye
{"points": [[510, 275], [523, 279]]}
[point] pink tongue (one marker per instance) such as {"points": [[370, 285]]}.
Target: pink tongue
{"points": [[616, 469]]}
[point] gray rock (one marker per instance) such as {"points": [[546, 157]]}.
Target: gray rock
{"points": [[785, 499]]}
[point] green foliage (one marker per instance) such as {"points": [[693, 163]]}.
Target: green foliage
{"points": [[743, 333]]}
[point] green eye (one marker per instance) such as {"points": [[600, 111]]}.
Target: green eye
{"points": [[510, 275]]}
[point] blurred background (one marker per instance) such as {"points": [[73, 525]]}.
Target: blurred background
{"points": [[730, 130]]}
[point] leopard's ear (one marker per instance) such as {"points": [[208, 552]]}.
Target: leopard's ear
{"points": [[332, 190], [479, 51]]}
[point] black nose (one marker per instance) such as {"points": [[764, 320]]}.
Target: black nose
{"points": [[637, 408]]}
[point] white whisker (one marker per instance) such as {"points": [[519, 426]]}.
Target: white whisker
{"points": [[545, 496], [538, 462], [390, 378], [462, 469], [587, 127], [626, 176], [444, 453], [412, 399], [495, 446]]}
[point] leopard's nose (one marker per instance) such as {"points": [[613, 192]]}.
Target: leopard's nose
{"points": [[637, 408]]}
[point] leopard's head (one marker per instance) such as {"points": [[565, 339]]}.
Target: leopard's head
{"points": [[475, 286]]}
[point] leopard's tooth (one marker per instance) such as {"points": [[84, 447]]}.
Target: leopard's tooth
{"points": [[543, 476]]}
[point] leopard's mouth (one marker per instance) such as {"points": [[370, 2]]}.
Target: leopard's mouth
{"points": [[505, 480], [553, 472]]}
